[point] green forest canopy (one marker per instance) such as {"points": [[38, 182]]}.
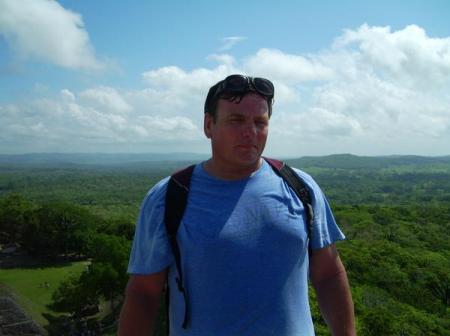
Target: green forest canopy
{"points": [[395, 212]]}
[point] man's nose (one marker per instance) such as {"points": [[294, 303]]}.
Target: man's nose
{"points": [[249, 129]]}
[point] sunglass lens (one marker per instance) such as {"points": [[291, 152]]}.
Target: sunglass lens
{"points": [[264, 86], [236, 82]]}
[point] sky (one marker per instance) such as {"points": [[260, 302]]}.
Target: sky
{"points": [[360, 77]]}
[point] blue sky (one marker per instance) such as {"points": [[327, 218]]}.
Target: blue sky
{"points": [[369, 78]]}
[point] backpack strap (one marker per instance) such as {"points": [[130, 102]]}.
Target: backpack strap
{"points": [[176, 200], [301, 190]]}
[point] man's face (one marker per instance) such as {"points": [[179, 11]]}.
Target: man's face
{"points": [[239, 133]]}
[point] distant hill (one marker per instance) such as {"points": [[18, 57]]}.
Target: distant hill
{"points": [[67, 159], [349, 161], [337, 161]]}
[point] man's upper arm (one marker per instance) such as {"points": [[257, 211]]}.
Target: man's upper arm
{"points": [[325, 264], [148, 285], [141, 303], [330, 282]]}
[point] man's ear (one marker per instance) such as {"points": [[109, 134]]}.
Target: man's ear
{"points": [[207, 123]]}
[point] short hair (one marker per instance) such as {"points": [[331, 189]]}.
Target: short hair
{"points": [[212, 99]]}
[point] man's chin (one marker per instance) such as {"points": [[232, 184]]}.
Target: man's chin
{"points": [[250, 159]]}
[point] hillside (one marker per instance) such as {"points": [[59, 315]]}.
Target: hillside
{"points": [[349, 161]]}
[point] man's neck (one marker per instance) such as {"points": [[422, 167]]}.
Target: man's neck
{"points": [[225, 172]]}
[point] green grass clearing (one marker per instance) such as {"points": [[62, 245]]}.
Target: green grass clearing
{"points": [[29, 286]]}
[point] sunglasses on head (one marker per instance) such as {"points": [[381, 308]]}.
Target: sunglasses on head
{"points": [[239, 84]]}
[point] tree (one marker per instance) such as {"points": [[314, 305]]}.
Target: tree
{"points": [[76, 297], [105, 277], [107, 273], [59, 229], [15, 214]]}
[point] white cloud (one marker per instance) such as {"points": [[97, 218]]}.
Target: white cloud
{"points": [[229, 42], [287, 68], [176, 124], [222, 58], [408, 55], [316, 122], [174, 91], [174, 78], [106, 97], [67, 95], [89, 120], [44, 30], [374, 91]]}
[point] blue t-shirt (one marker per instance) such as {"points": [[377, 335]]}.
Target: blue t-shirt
{"points": [[244, 253]]}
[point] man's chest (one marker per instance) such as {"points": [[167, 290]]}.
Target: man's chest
{"points": [[251, 215]]}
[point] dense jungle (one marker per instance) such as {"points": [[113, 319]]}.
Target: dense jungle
{"points": [[66, 229]]}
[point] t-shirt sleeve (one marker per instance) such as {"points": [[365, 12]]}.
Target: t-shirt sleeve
{"points": [[151, 251], [325, 229]]}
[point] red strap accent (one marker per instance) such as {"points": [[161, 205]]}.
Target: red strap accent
{"points": [[275, 163], [183, 176]]}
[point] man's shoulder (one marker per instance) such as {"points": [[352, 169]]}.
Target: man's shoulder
{"points": [[307, 179], [160, 186], [156, 194], [277, 165], [302, 174]]}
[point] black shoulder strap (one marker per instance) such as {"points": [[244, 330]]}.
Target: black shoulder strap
{"points": [[176, 200], [301, 190]]}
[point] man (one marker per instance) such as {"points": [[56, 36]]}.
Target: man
{"points": [[243, 237]]}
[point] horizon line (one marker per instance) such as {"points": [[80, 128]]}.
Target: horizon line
{"points": [[208, 154]]}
